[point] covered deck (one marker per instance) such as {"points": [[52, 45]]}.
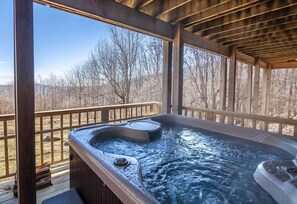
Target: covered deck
{"points": [[261, 34]]}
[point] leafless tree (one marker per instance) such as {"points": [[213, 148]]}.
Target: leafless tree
{"points": [[118, 61]]}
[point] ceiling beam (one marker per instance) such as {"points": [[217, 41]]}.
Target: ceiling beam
{"points": [[142, 3], [129, 3], [275, 37], [255, 27], [265, 46], [283, 55], [271, 48], [284, 65], [265, 31], [273, 60], [245, 58], [205, 44], [120, 15], [190, 9], [116, 14], [221, 10], [243, 19], [277, 57], [156, 8], [258, 44]]}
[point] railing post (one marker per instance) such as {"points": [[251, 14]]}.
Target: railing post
{"points": [[156, 108], [266, 125], [105, 115], [280, 128], [295, 131]]}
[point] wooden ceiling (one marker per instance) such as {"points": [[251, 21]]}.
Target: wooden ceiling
{"points": [[265, 29]]}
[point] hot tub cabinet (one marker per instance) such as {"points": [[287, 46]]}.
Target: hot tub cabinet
{"points": [[102, 177], [89, 185]]}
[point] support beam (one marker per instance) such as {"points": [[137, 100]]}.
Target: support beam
{"points": [[167, 77], [223, 85], [258, 33], [245, 58], [177, 88], [191, 9], [279, 9], [222, 10], [264, 47], [231, 88], [24, 100], [116, 14], [255, 27], [205, 44], [256, 87], [284, 65], [277, 36], [266, 90], [156, 8]]}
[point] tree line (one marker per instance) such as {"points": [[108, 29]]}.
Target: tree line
{"points": [[127, 68]]}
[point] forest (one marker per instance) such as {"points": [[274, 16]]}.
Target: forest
{"points": [[127, 68]]}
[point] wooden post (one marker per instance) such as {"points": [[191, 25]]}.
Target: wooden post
{"points": [[256, 87], [249, 92], [266, 90], [177, 88], [24, 100], [249, 89], [223, 85], [167, 77], [231, 88], [105, 115]]}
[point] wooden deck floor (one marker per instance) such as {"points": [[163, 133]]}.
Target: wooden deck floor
{"points": [[60, 183]]}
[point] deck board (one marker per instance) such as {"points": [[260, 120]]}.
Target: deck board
{"points": [[60, 183]]}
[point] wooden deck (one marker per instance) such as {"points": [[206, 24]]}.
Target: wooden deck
{"points": [[60, 183]]}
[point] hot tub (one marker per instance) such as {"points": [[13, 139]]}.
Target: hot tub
{"points": [[176, 159]]}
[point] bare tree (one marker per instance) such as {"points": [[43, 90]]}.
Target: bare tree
{"points": [[117, 60], [202, 78]]}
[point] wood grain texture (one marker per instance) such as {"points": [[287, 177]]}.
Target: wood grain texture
{"points": [[24, 100], [167, 78], [231, 85], [177, 87], [223, 86], [256, 87]]}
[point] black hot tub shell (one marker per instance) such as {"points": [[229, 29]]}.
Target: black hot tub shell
{"points": [[102, 177]]}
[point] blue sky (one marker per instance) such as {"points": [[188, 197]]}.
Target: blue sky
{"points": [[61, 40]]}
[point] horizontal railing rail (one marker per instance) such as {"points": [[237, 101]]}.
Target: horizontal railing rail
{"points": [[52, 128], [266, 123]]}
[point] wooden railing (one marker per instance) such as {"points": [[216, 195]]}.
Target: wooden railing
{"points": [[52, 128], [267, 123]]}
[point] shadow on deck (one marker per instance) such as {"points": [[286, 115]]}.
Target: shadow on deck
{"points": [[60, 183]]}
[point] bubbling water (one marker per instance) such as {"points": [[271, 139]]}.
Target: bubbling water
{"points": [[190, 165]]}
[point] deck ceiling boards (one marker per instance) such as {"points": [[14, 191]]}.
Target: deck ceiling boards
{"points": [[265, 29]]}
